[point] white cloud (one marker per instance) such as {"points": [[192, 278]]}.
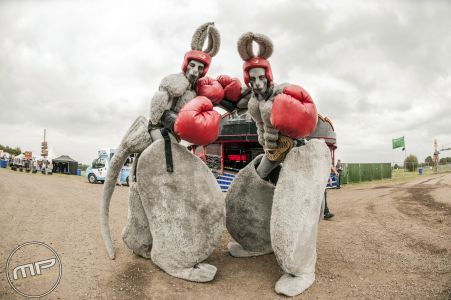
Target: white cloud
{"points": [[86, 69]]}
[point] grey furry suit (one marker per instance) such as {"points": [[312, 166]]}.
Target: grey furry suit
{"points": [[175, 218], [173, 91], [282, 218]]}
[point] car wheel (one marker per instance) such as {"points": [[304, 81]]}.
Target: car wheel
{"points": [[127, 181], [92, 178]]}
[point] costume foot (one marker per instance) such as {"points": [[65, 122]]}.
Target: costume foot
{"points": [[137, 246], [143, 251], [290, 285], [328, 215], [236, 250], [199, 273]]}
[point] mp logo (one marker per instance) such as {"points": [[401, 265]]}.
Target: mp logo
{"points": [[34, 269]]}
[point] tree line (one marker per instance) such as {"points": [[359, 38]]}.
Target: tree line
{"points": [[411, 162], [10, 150], [442, 161]]}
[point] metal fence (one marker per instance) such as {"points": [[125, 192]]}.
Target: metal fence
{"points": [[365, 172]]}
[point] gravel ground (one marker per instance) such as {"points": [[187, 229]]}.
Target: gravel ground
{"points": [[386, 241]]}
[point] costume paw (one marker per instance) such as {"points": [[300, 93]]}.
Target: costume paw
{"points": [[199, 273], [290, 285]]}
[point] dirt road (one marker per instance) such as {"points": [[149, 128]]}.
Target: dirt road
{"points": [[387, 241]]}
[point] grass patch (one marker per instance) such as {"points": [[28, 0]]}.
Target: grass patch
{"points": [[401, 175]]}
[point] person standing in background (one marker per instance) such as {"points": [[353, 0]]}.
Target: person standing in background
{"points": [[43, 167], [327, 213], [35, 167], [50, 167], [339, 168]]}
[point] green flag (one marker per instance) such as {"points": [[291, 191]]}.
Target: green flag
{"points": [[397, 143]]}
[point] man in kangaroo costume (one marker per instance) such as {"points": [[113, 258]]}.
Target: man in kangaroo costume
{"points": [[274, 203], [176, 210]]}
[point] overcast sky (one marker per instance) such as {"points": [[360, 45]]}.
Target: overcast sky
{"points": [[86, 69]]}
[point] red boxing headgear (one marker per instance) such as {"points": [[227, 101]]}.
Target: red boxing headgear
{"points": [[257, 62], [199, 56]]}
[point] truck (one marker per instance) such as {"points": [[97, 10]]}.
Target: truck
{"points": [[98, 169]]}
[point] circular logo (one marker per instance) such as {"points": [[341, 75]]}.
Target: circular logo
{"points": [[34, 269]]}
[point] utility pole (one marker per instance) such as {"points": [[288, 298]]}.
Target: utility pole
{"points": [[435, 158], [44, 147]]}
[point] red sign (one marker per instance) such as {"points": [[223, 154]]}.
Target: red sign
{"points": [[28, 155]]}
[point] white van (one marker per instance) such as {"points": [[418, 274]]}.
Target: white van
{"points": [[97, 171]]}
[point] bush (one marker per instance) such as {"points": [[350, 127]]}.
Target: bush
{"points": [[82, 167], [411, 162]]}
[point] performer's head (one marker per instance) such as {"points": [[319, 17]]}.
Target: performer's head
{"points": [[195, 64], [256, 69], [197, 61]]}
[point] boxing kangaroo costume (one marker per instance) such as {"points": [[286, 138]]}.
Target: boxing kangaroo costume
{"points": [[274, 203], [176, 209]]}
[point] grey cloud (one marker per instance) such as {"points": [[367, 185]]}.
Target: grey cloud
{"points": [[86, 70]]}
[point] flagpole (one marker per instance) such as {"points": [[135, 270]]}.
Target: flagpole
{"points": [[393, 151], [392, 162], [405, 165], [405, 152], [405, 155]]}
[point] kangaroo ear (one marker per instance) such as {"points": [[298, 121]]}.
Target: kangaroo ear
{"points": [[214, 41], [244, 46], [266, 46], [199, 36]]}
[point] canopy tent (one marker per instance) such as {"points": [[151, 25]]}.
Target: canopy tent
{"points": [[65, 164], [20, 156]]}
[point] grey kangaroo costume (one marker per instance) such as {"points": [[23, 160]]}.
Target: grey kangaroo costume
{"points": [[274, 203], [176, 209]]}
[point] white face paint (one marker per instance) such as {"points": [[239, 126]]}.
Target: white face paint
{"points": [[258, 80], [194, 70]]}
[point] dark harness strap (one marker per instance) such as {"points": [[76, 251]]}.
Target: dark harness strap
{"points": [[299, 142], [167, 150], [136, 166]]}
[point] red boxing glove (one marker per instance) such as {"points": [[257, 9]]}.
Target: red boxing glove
{"points": [[197, 122], [232, 87], [210, 88], [293, 112]]}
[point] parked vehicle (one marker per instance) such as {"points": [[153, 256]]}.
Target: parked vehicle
{"points": [[98, 169]]}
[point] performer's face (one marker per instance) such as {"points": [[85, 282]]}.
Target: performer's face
{"points": [[194, 70], [258, 80]]}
